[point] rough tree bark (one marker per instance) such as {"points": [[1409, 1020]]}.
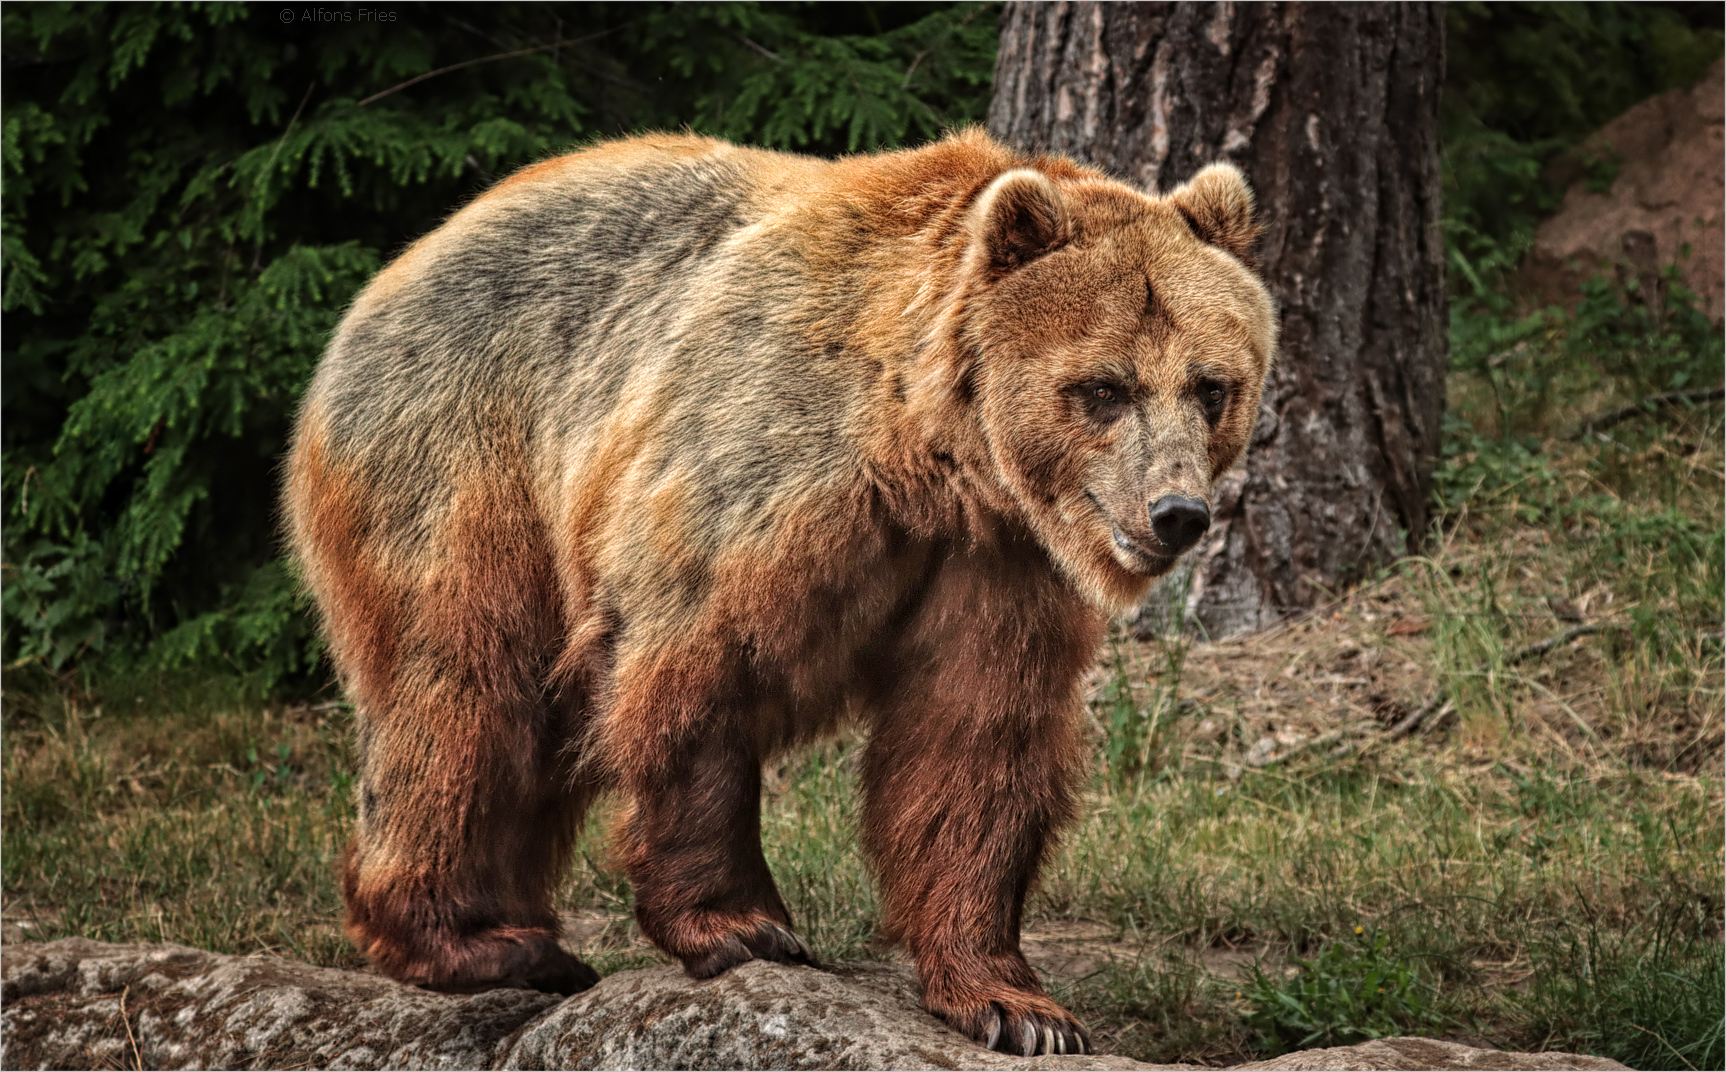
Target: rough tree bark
{"points": [[1332, 112]]}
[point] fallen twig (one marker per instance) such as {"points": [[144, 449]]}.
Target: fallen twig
{"points": [[1437, 709], [1536, 650], [1668, 400], [1433, 712], [125, 1018]]}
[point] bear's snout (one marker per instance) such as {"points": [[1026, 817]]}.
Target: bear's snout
{"points": [[1179, 521]]}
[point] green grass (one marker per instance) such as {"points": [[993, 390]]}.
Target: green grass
{"points": [[1474, 878], [1155, 1003], [1558, 910], [1542, 871], [217, 828], [1647, 996]]}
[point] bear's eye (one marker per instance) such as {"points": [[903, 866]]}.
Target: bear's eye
{"points": [[1103, 400], [1213, 396]]}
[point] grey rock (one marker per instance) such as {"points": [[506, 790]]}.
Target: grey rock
{"points": [[75, 1003], [1422, 1053], [81, 1004]]}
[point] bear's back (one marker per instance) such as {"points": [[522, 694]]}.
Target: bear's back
{"points": [[538, 276], [650, 283]]}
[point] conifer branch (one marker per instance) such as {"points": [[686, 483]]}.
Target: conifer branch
{"points": [[416, 79]]}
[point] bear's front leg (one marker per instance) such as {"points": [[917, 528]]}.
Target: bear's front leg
{"points": [[969, 774], [692, 848], [957, 819]]}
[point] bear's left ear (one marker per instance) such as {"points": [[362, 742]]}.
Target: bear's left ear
{"points": [[1018, 218], [1218, 206]]}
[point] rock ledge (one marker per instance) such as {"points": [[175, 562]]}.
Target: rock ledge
{"points": [[75, 1003]]}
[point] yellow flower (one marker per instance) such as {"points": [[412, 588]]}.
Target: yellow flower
{"points": [[1360, 930]]}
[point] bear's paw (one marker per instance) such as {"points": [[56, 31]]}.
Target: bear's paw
{"points": [[750, 939], [1015, 1022]]}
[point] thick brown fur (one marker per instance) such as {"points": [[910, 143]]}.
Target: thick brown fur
{"points": [[666, 456]]}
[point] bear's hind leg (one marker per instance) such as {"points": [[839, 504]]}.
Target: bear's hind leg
{"points": [[692, 847], [468, 808], [463, 835]]}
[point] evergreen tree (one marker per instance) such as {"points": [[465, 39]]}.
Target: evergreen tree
{"points": [[193, 193]]}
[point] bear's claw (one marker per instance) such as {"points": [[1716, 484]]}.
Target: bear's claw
{"points": [[1028, 1034]]}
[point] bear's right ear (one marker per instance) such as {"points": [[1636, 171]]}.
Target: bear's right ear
{"points": [[1218, 205], [1019, 217]]}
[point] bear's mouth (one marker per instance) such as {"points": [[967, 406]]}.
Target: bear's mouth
{"points": [[1140, 559], [1157, 562]]}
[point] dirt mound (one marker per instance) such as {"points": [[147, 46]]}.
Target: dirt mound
{"points": [[1669, 191], [81, 1004]]}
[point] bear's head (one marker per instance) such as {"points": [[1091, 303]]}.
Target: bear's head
{"points": [[1121, 343]]}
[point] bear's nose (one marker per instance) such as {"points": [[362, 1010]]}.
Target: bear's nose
{"points": [[1179, 521]]}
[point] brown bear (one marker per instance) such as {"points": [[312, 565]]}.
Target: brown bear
{"points": [[666, 456]]}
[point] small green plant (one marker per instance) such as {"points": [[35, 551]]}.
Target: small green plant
{"points": [[1123, 718], [1352, 991], [1139, 736], [269, 777], [1601, 166], [1469, 639], [1474, 468]]}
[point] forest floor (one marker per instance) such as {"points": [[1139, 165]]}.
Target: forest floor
{"points": [[1477, 796]]}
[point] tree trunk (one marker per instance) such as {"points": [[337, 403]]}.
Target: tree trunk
{"points": [[1332, 112]]}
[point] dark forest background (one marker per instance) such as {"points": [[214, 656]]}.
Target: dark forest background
{"points": [[192, 194]]}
